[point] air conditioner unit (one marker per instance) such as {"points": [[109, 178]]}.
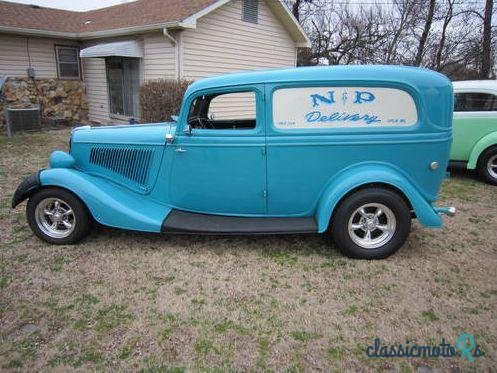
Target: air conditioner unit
{"points": [[21, 120]]}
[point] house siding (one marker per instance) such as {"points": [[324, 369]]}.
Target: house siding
{"points": [[223, 43], [18, 53], [159, 60], [95, 77]]}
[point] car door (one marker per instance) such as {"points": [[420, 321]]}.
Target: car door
{"points": [[475, 116], [219, 162]]}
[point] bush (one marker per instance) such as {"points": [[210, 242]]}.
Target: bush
{"points": [[159, 99]]}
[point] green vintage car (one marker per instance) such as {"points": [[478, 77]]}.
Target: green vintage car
{"points": [[474, 143]]}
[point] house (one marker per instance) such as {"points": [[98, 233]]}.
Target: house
{"points": [[90, 65]]}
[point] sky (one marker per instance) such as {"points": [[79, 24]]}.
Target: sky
{"points": [[79, 5]]}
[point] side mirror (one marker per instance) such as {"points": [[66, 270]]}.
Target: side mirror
{"points": [[188, 130], [169, 138]]}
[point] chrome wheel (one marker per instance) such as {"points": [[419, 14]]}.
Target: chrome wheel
{"points": [[492, 166], [372, 225], [55, 217]]}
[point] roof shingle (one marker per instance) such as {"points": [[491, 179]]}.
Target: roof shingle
{"points": [[137, 13]]}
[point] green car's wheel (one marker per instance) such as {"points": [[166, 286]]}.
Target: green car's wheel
{"points": [[487, 165], [372, 223], [57, 216]]}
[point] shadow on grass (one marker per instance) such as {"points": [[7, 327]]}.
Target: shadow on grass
{"points": [[463, 173], [303, 244]]}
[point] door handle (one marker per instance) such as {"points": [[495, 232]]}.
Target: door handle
{"points": [[180, 150]]}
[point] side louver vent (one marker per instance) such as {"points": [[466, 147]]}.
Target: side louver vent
{"points": [[133, 164]]}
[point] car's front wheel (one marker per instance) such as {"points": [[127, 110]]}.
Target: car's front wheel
{"points": [[487, 165], [371, 223], [57, 216]]}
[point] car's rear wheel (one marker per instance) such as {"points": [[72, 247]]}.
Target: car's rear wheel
{"points": [[371, 223], [487, 165], [57, 216]]}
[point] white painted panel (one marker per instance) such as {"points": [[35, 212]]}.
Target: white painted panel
{"points": [[126, 48], [337, 107]]}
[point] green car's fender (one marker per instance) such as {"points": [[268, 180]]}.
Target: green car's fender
{"points": [[482, 144], [374, 173]]}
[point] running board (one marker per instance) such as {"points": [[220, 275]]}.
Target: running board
{"points": [[189, 222]]}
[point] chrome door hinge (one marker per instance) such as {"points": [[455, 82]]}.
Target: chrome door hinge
{"points": [[264, 193], [263, 151]]}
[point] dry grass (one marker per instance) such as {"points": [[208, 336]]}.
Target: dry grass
{"points": [[124, 300]]}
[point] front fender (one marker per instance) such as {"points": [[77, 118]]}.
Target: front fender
{"points": [[480, 146], [109, 204], [26, 188], [364, 174]]}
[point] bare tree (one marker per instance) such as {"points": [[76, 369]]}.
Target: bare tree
{"points": [[452, 36], [487, 40], [296, 7], [404, 14], [424, 35]]}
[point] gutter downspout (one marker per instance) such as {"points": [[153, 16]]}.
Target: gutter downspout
{"points": [[168, 36]]}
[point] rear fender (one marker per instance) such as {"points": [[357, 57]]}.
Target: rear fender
{"points": [[362, 175], [109, 203], [482, 144]]}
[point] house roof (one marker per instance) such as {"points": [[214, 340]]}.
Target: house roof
{"points": [[136, 13], [131, 17]]}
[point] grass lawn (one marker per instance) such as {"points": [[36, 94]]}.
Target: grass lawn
{"points": [[127, 300]]}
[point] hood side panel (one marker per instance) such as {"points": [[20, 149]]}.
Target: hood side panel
{"points": [[127, 155]]}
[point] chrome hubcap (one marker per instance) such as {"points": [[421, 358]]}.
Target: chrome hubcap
{"points": [[372, 225], [55, 217], [492, 166]]}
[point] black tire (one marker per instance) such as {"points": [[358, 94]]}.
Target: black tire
{"points": [[348, 210], [80, 216], [488, 156]]}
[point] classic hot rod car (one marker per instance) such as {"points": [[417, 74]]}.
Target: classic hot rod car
{"points": [[355, 151]]}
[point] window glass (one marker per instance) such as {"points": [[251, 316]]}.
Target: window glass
{"points": [[342, 107], [234, 110], [68, 62], [123, 79], [474, 101], [250, 10]]}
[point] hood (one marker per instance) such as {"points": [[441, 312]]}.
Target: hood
{"points": [[138, 134]]}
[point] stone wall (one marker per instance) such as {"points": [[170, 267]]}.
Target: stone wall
{"points": [[61, 101]]}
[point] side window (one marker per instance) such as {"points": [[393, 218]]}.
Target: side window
{"points": [[342, 107], [234, 110], [474, 101], [67, 62]]}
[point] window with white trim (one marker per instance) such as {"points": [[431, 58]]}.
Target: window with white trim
{"points": [[68, 62], [250, 11]]}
